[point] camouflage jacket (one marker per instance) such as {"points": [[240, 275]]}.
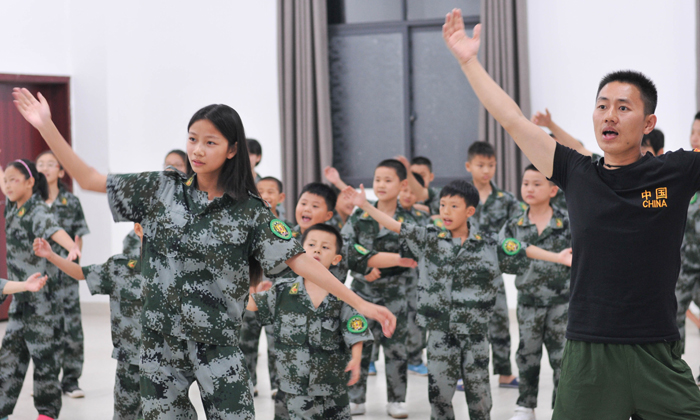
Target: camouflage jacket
{"points": [[336, 221], [32, 220], [691, 239], [433, 201], [120, 278], [340, 270], [500, 207], [3, 296], [196, 252], [421, 218], [544, 283], [364, 238], [456, 287], [132, 245], [312, 344], [69, 214]]}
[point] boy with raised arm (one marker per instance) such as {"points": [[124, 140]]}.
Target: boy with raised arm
{"points": [[628, 211], [457, 292]]}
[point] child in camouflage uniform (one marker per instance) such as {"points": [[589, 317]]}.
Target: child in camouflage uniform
{"points": [[34, 283], [457, 292], [543, 290], [316, 333], [207, 240], [120, 278], [422, 166], [34, 330]]}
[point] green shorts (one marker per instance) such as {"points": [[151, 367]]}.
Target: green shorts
{"points": [[619, 381]]}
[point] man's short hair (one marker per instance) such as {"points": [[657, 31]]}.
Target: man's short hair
{"points": [[272, 178], [395, 165], [655, 140], [323, 191], [422, 160], [325, 228], [461, 188], [646, 87], [480, 148]]}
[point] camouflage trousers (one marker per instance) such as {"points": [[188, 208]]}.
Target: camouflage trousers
{"points": [[250, 341], [499, 333], [393, 297], [73, 347], [30, 336], [687, 290], [539, 325], [170, 365], [305, 407], [451, 357], [127, 392], [415, 339]]}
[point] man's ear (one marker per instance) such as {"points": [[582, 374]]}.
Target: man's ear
{"points": [[649, 123]]}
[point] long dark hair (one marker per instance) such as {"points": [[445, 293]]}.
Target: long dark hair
{"points": [[236, 178], [61, 184], [40, 184]]}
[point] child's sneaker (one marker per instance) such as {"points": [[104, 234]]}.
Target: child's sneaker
{"points": [[43, 417], [460, 385], [372, 369], [421, 369], [512, 384], [73, 391], [357, 409], [397, 410], [523, 413]]}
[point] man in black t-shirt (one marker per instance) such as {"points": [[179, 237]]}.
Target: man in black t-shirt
{"points": [[627, 215]]}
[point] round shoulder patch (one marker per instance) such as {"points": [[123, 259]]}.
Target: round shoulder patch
{"points": [[362, 250], [511, 246], [357, 324], [694, 199], [280, 229]]}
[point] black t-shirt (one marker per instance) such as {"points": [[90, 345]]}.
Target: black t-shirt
{"points": [[627, 227]]}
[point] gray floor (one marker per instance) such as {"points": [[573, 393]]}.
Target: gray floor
{"points": [[98, 380]]}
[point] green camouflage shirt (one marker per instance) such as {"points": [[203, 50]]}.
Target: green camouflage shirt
{"points": [[336, 221], [499, 207], [433, 201], [69, 214], [196, 252], [32, 220], [456, 287], [132, 245], [420, 217], [544, 283], [312, 344], [120, 278], [3, 296]]}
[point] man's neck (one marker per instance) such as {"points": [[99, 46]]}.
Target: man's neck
{"points": [[619, 160]]}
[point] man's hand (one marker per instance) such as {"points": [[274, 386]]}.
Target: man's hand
{"points": [[373, 275], [42, 248], [354, 368], [36, 112], [380, 314], [358, 198], [543, 120], [35, 282], [565, 257], [461, 46]]}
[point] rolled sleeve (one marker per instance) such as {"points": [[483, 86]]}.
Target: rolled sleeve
{"points": [[98, 279], [272, 248], [131, 195], [347, 313]]}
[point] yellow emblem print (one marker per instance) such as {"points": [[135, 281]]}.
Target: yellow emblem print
{"points": [[21, 212], [500, 194], [131, 263], [401, 219], [280, 229], [362, 250], [419, 214], [659, 200], [189, 181], [365, 215], [511, 246], [64, 201], [520, 222], [559, 223], [477, 236], [295, 289], [357, 324], [442, 235]]}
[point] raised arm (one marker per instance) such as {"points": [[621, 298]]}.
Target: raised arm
{"points": [[43, 249], [420, 191], [535, 143], [38, 114], [331, 174], [360, 200], [560, 135]]}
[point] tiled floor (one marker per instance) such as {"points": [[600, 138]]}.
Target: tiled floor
{"points": [[98, 380]]}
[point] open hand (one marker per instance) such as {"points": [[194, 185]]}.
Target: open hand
{"points": [[404, 161], [331, 174], [460, 45], [35, 282], [358, 198], [408, 263], [373, 275], [354, 368], [42, 248], [380, 314], [565, 257], [543, 120], [36, 112], [74, 253]]}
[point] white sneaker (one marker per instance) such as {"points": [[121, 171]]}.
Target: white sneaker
{"points": [[357, 409], [524, 413], [397, 410]]}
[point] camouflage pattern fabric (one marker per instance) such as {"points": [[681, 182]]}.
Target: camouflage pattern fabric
{"points": [[131, 245], [336, 221], [34, 329], [416, 338], [312, 344], [127, 392], [304, 407], [539, 325], [489, 218], [68, 212], [3, 296], [455, 356], [251, 328], [688, 285], [433, 201], [170, 365]]}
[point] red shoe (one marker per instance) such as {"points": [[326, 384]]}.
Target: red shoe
{"points": [[43, 417]]}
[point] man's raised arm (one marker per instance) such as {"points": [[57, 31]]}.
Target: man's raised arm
{"points": [[535, 143]]}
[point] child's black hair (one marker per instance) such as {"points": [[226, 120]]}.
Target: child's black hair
{"points": [[236, 176], [323, 191], [254, 148], [464, 189], [697, 116], [532, 167], [325, 228], [180, 154], [655, 140], [40, 184], [480, 148], [395, 165], [272, 178], [420, 179], [646, 87], [422, 160], [61, 184]]}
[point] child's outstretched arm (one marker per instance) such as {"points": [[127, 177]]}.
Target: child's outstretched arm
{"points": [[534, 142], [561, 136], [360, 200], [38, 114], [354, 365], [331, 174], [33, 284], [420, 191], [62, 238], [536, 253], [43, 249], [390, 259]]}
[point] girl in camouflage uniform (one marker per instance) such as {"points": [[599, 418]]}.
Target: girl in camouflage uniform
{"points": [[207, 239]]}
